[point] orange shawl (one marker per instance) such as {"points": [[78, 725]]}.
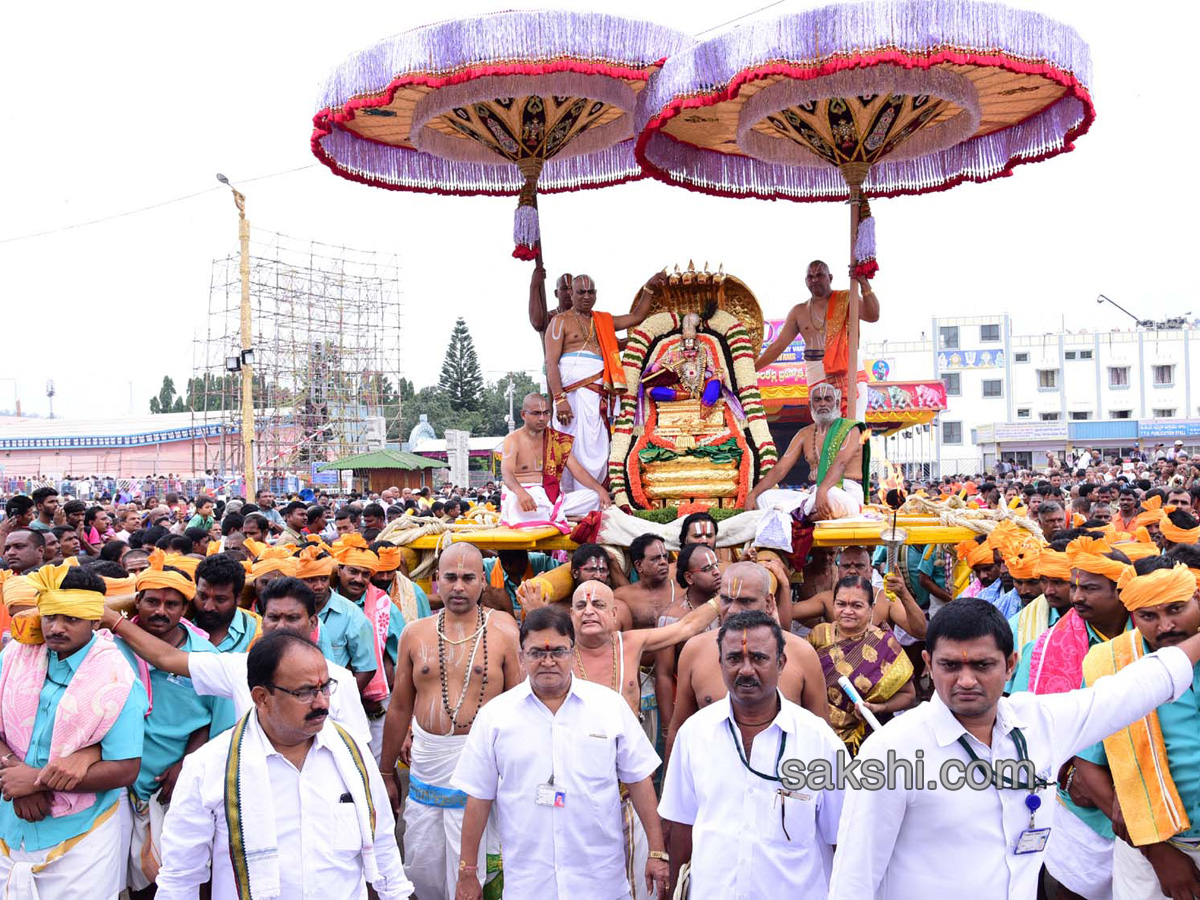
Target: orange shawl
{"points": [[837, 335], [610, 353]]}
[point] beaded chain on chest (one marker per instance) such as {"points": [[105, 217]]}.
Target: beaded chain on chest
{"points": [[480, 636]]}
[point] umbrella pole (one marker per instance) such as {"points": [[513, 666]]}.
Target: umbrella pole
{"points": [[855, 174]]}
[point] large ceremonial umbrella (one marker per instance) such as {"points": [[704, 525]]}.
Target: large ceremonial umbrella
{"points": [[870, 99], [512, 103]]}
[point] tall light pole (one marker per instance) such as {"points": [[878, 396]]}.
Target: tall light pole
{"points": [[247, 355]]}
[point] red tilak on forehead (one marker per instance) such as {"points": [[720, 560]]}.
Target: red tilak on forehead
{"points": [[743, 642]]}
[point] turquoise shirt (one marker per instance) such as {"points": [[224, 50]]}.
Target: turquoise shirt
{"points": [[1021, 672], [1093, 818], [178, 711], [241, 633], [423, 607], [539, 562], [1182, 740], [123, 741], [346, 637]]}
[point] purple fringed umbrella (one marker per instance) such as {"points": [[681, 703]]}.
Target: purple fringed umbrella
{"points": [[512, 103], [870, 99]]}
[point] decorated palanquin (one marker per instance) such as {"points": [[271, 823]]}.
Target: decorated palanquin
{"points": [[691, 431]]}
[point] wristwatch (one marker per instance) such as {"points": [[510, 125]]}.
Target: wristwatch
{"points": [[660, 854]]}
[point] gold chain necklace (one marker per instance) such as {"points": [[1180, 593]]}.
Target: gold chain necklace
{"points": [[583, 671], [591, 330]]}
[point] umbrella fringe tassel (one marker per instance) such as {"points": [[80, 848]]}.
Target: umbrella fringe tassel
{"points": [[526, 233]]}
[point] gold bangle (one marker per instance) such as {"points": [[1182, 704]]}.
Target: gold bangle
{"points": [[712, 601], [660, 854]]}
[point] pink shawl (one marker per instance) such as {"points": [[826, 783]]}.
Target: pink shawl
{"points": [[1056, 665]]}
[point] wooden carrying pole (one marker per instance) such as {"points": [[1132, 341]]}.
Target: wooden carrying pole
{"points": [[855, 174]]}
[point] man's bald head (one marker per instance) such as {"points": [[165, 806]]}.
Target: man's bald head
{"points": [[817, 279], [461, 556], [745, 586], [533, 401], [583, 293], [535, 413]]}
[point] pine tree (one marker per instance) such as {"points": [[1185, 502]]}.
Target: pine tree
{"points": [[461, 378]]}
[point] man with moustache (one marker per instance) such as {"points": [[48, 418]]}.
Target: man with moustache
{"points": [[24, 551], [219, 582], [288, 605], [743, 588], [551, 756], [286, 803], [1146, 778], [450, 666], [180, 719], [835, 453], [344, 634], [584, 371], [743, 831]]}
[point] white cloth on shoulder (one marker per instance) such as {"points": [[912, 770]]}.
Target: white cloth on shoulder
{"points": [[574, 504], [588, 424], [775, 527]]}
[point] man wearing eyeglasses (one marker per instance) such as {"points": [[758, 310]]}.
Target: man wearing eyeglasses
{"points": [[549, 755], [286, 803], [287, 604], [743, 831]]}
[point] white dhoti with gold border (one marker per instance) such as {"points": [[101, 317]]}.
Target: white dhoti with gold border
{"points": [[588, 425]]}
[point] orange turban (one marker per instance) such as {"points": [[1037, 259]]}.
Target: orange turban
{"points": [[179, 561], [1053, 564], [156, 577], [1136, 550], [1153, 512], [353, 550], [116, 587], [1160, 586], [1024, 563], [1088, 554], [1196, 572], [311, 564], [389, 558], [17, 590], [1174, 533], [271, 559], [213, 548], [975, 554]]}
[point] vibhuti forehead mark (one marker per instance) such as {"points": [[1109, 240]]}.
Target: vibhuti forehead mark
{"points": [[735, 588]]}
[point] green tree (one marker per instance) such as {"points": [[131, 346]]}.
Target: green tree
{"points": [[461, 378], [165, 401]]}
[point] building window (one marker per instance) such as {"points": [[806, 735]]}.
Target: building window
{"points": [[953, 382], [1048, 417], [1080, 416], [990, 333], [1024, 412], [1164, 376], [1070, 354], [1085, 354], [1120, 413], [952, 432], [1021, 357], [948, 337], [1164, 413], [1118, 376], [993, 387], [1047, 379]]}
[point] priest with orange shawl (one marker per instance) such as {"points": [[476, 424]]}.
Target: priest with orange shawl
{"points": [[823, 321], [1150, 775], [584, 371]]}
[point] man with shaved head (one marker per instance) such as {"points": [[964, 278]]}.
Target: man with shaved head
{"points": [[744, 587], [583, 369], [449, 666], [539, 317], [823, 319], [535, 459]]}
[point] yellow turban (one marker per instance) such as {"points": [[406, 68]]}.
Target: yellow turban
{"points": [[975, 554], [1136, 550], [53, 601], [1153, 512], [1087, 554], [310, 563], [26, 627], [179, 561], [352, 550], [213, 548], [1053, 564], [1174, 533], [156, 577], [17, 590], [1160, 586], [117, 587]]}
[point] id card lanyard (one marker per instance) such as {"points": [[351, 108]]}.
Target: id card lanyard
{"points": [[781, 794], [1032, 839]]}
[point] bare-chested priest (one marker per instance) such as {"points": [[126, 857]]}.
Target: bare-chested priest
{"points": [[583, 367], [745, 586], [823, 320], [834, 450], [449, 666], [535, 458]]}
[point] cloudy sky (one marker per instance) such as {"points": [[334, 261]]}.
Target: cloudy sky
{"points": [[115, 107]]}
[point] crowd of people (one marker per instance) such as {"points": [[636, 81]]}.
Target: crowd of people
{"points": [[246, 695]]}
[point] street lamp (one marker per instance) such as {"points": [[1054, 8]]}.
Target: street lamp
{"points": [[245, 361]]}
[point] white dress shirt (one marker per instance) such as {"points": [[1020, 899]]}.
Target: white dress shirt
{"points": [[320, 846], [576, 851], [224, 675], [739, 849], [916, 844]]}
